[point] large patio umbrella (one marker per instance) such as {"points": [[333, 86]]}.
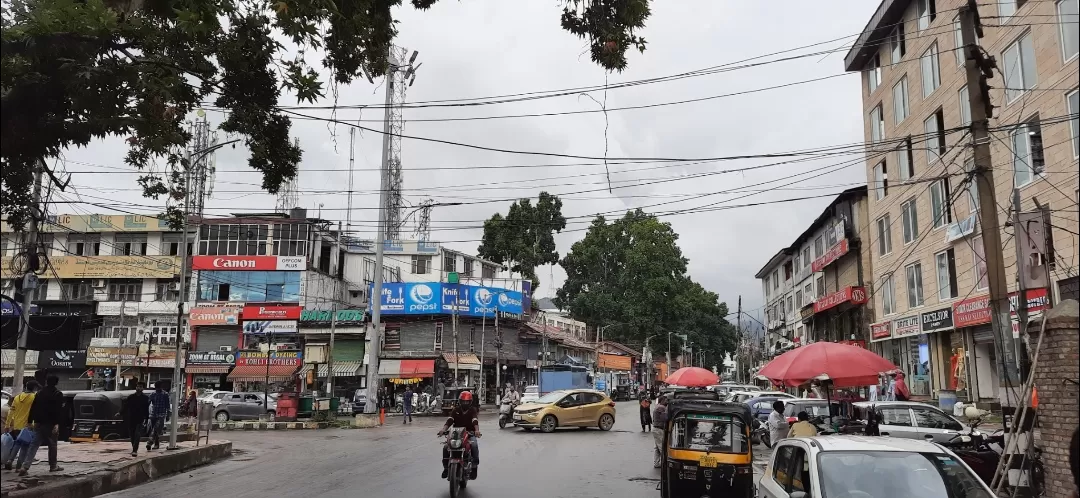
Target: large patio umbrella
{"points": [[841, 365], [692, 377]]}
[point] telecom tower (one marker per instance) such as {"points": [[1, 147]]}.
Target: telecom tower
{"points": [[423, 223], [202, 177], [399, 81], [287, 197]]}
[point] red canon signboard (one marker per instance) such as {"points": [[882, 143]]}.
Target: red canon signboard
{"points": [[833, 254], [248, 263], [271, 312], [856, 295]]}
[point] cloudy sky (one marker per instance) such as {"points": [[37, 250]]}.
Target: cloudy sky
{"points": [[482, 48]]}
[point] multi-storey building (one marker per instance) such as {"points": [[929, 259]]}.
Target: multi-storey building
{"points": [[929, 271], [777, 282]]}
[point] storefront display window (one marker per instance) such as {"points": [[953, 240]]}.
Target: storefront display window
{"points": [[913, 356]]}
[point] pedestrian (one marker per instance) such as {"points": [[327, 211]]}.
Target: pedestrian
{"points": [[890, 391], [645, 413], [659, 420], [802, 428], [777, 423], [190, 408], [135, 411], [17, 421], [406, 405], [901, 388], [46, 415], [159, 411]]}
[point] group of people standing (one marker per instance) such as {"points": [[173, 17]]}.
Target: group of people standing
{"points": [[34, 420], [146, 415]]}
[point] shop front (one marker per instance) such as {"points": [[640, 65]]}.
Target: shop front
{"points": [[208, 370], [349, 361], [909, 349], [395, 373], [615, 370], [837, 316], [259, 370]]}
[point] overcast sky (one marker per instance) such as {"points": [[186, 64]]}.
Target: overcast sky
{"points": [[480, 48]]}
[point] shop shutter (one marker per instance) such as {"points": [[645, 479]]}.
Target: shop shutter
{"points": [[982, 335], [345, 350]]}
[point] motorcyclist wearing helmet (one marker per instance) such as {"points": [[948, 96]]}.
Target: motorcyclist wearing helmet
{"points": [[464, 416]]}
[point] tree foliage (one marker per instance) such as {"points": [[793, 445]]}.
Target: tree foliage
{"points": [[73, 71], [630, 274], [525, 238]]}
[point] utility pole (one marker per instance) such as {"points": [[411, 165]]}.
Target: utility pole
{"points": [[330, 354], [30, 282], [498, 349], [738, 341], [453, 325], [375, 299], [123, 332], [482, 339], [1021, 289], [979, 69]]}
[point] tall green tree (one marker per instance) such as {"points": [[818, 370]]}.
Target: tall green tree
{"points": [[630, 274], [525, 238], [72, 71]]}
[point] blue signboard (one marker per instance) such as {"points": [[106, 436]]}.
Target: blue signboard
{"points": [[439, 298], [9, 309]]}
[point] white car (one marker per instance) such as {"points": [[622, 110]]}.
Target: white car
{"points": [[864, 466], [742, 396], [214, 397], [532, 393]]}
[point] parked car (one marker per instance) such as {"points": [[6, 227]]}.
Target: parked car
{"points": [[213, 397], [244, 406], [913, 420], [532, 393], [725, 389], [814, 407], [761, 406], [567, 408], [852, 466], [359, 401], [742, 396]]}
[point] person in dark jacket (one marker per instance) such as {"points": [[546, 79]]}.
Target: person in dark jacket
{"points": [[136, 410], [46, 415]]}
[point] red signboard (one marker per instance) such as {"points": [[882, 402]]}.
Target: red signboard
{"points": [[833, 254], [1037, 299], [857, 343], [272, 312], [971, 312], [856, 295], [248, 263], [880, 330]]}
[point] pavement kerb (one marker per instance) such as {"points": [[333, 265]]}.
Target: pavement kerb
{"points": [[128, 474]]}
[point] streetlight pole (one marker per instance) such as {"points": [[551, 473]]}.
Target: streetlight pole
{"points": [[189, 158]]}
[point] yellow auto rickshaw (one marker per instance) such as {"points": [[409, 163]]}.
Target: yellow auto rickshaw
{"points": [[707, 450]]}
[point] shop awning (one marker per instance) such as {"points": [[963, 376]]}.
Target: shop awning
{"points": [[207, 369], [255, 373], [343, 369], [406, 369], [465, 361]]}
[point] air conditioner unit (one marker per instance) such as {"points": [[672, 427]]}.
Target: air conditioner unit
{"points": [[225, 348], [99, 283]]}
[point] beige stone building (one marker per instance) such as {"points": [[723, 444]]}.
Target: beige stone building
{"points": [[928, 285]]}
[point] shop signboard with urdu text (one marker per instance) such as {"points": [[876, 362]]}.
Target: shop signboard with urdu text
{"points": [[89, 223], [77, 267], [971, 312], [906, 326], [834, 253], [854, 295], [880, 331]]}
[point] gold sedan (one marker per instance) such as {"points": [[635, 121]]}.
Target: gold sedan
{"points": [[567, 408]]}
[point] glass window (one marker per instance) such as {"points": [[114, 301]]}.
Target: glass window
{"points": [[819, 282], [125, 290], [873, 73], [940, 203], [782, 466], [905, 161], [965, 106], [910, 219], [712, 433], [898, 43], [819, 246], [945, 262], [249, 286], [896, 416], [1069, 20], [1028, 160], [877, 125], [881, 181], [1019, 67], [421, 265], [927, 11], [449, 262], [914, 285], [888, 474], [884, 226], [900, 100], [934, 127], [933, 419], [888, 295], [931, 70], [1006, 8]]}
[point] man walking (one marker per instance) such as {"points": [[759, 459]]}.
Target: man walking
{"points": [[135, 412], [46, 415], [407, 400], [17, 421], [659, 420], [777, 423], [159, 410]]}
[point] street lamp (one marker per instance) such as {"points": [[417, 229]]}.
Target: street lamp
{"points": [[190, 157]]}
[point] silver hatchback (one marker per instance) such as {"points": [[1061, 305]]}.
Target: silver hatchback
{"points": [[913, 420]]}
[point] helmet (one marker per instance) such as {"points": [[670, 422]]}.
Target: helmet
{"points": [[465, 396]]}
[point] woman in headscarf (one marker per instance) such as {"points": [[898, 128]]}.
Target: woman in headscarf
{"points": [[902, 391]]}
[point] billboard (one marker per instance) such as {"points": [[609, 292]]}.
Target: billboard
{"points": [[430, 298], [105, 267], [249, 263]]}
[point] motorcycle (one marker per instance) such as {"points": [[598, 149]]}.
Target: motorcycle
{"points": [[506, 413], [761, 433], [459, 468]]}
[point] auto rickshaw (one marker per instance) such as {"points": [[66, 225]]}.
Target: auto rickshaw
{"points": [[621, 393], [699, 394], [99, 416], [450, 397], [707, 451]]}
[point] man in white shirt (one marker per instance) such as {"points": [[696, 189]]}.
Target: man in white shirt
{"points": [[777, 423]]}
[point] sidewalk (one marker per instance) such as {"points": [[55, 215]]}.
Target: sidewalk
{"points": [[92, 469]]}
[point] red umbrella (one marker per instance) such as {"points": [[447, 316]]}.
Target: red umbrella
{"points": [[844, 365], [692, 377]]}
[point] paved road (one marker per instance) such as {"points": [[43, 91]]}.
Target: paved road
{"points": [[404, 461]]}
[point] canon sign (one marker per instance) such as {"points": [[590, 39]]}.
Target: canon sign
{"points": [[234, 263], [249, 263]]}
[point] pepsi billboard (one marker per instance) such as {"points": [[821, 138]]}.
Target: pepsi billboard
{"points": [[431, 298]]}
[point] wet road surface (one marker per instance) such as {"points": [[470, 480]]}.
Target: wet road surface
{"points": [[404, 461]]}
